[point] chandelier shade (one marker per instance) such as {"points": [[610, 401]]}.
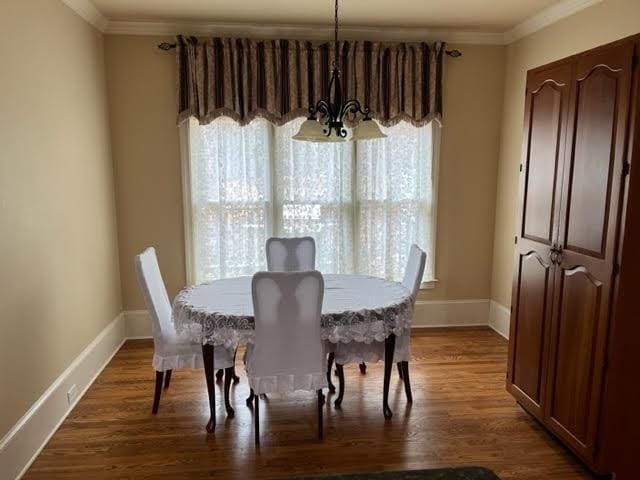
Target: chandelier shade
{"points": [[311, 131], [367, 130]]}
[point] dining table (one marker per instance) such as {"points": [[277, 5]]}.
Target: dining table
{"points": [[355, 308]]}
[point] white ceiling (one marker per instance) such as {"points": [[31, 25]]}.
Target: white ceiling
{"points": [[475, 15]]}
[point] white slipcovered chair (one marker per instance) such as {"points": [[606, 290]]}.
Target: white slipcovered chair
{"points": [[287, 354], [361, 352], [294, 255], [171, 351], [291, 254]]}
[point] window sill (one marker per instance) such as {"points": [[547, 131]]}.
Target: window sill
{"points": [[429, 285]]}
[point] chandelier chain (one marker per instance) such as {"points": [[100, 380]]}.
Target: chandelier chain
{"points": [[335, 36]]}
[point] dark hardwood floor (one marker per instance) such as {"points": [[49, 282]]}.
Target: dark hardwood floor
{"points": [[461, 415]]}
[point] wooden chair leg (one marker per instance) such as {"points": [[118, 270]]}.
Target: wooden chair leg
{"points": [[256, 418], [236, 378], [250, 398], [157, 392], [320, 422], [340, 371], [407, 382], [399, 365], [363, 368], [332, 387], [167, 378], [219, 375], [228, 376]]}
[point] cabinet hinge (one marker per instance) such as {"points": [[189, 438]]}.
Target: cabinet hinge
{"points": [[515, 239], [626, 168], [520, 167]]}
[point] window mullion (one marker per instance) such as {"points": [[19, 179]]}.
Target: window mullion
{"points": [[275, 213], [355, 202]]}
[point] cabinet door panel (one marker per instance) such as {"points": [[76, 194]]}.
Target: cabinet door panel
{"points": [[533, 290], [592, 161], [542, 165], [580, 297], [589, 218], [542, 159]]}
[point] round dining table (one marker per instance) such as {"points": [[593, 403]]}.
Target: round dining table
{"points": [[355, 308]]}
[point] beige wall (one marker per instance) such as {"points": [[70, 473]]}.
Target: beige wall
{"points": [[146, 153], [59, 278], [597, 25], [141, 82], [468, 163]]}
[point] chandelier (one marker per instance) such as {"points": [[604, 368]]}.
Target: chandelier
{"points": [[326, 118]]}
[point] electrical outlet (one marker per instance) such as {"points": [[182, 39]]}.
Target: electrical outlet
{"points": [[72, 394]]}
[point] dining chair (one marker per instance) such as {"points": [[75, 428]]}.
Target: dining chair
{"points": [[171, 351], [287, 354], [361, 352], [291, 254]]}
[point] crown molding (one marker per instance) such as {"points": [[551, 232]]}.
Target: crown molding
{"points": [[547, 17], [302, 32], [89, 12]]}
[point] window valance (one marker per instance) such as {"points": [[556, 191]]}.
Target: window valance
{"points": [[279, 79]]}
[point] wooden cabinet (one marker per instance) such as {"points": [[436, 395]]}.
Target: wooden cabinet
{"points": [[546, 114], [574, 172]]}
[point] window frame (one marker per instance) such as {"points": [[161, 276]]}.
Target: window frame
{"points": [[186, 134]]}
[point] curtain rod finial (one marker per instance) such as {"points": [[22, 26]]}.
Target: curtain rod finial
{"points": [[166, 46], [454, 53]]}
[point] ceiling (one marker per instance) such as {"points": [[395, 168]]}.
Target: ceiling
{"points": [[474, 15]]}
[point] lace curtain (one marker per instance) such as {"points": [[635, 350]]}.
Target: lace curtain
{"points": [[313, 185], [364, 203], [231, 198]]}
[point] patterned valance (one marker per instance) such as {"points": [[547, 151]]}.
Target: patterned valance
{"points": [[278, 79]]}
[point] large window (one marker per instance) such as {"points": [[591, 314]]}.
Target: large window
{"points": [[364, 203]]}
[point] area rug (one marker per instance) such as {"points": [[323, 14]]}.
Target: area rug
{"points": [[465, 473]]}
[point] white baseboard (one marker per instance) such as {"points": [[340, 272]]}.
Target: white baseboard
{"points": [[24, 442], [499, 318], [451, 313], [138, 324]]}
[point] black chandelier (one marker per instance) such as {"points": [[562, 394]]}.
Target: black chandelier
{"points": [[326, 117]]}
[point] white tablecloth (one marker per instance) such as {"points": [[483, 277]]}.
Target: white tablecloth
{"points": [[356, 308]]}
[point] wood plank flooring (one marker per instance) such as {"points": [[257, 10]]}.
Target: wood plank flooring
{"points": [[461, 415]]}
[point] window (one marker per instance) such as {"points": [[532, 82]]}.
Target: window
{"points": [[364, 203]]}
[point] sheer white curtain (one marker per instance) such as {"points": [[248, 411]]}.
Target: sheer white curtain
{"points": [[395, 200], [313, 185], [230, 197], [364, 203]]}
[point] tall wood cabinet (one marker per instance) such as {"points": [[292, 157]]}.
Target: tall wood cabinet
{"points": [[574, 187]]}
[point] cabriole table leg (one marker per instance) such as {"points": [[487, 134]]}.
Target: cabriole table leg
{"points": [[389, 350], [207, 358]]}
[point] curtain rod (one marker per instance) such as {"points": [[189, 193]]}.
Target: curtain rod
{"points": [[170, 46]]}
